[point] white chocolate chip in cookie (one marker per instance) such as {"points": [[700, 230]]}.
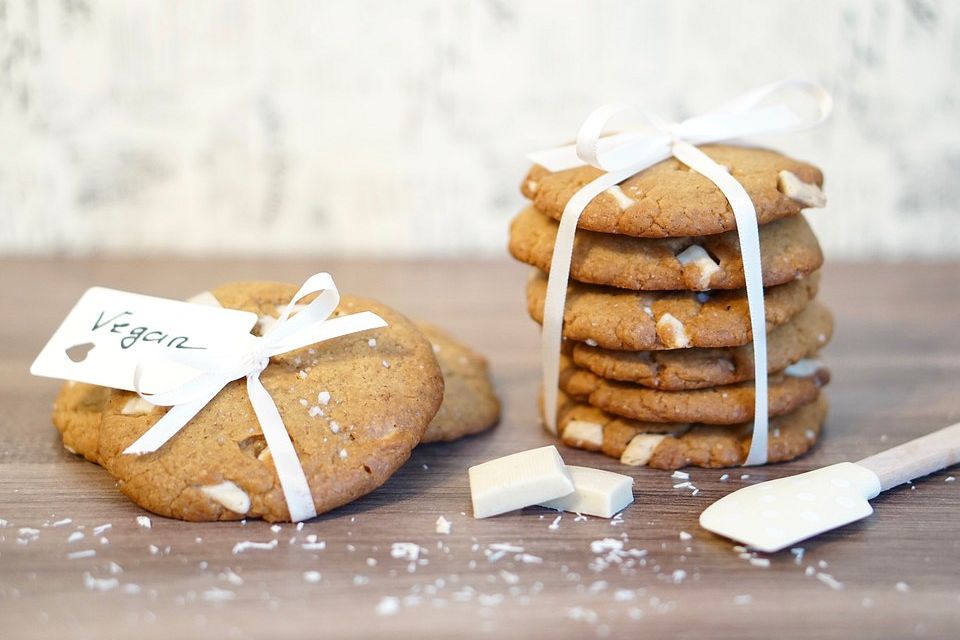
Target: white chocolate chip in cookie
{"points": [[582, 434], [803, 368], [229, 495], [532, 186], [672, 332], [809, 195], [704, 266], [641, 448], [622, 199], [136, 406], [265, 456]]}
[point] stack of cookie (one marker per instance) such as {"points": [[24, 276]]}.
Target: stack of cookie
{"points": [[657, 366]]}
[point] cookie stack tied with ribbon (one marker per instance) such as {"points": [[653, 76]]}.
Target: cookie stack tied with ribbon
{"points": [[676, 283]]}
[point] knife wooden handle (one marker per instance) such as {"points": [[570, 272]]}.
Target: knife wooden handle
{"points": [[916, 458]]}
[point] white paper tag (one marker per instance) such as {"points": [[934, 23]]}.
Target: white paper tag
{"points": [[108, 332]]}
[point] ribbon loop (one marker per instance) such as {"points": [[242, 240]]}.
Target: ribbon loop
{"points": [[623, 154], [309, 325]]}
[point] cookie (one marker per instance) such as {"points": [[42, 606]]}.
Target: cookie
{"points": [[679, 369], [354, 407], [788, 249], [76, 415], [679, 445], [669, 200], [470, 404], [639, 321], [728, 404]]}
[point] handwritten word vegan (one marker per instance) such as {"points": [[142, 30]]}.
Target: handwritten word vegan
{"points": [[133, 335]]}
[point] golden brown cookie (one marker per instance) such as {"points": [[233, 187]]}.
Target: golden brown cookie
{"points": [[679, 369], [354, 408], [76, 415], [637, 321], [728, 404], [670, 200], [470, 404], [679, 445], [788, 248]]}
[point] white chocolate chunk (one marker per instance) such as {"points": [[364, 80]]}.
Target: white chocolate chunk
{"points": [[672, 332], [265, 456], [205, 298], [641, 448], [595, 493], [136, 406], [517, 481], [803, 368], [532, 186], [705, 265], [622, 199], [809, 195], [580, 432], [229, 495]]}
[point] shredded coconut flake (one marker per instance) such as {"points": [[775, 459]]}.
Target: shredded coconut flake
{"points": [[443, 525]]}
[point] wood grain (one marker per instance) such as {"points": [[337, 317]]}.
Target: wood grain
{"points": [[895, 362]]}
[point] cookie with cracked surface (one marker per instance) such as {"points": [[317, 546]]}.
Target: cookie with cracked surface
{"points": [[788, 345], [354, 407], [640, 321], [788, 248], [76, 415], [670, 200], [674, 446], [470, 404], [728, 404]]}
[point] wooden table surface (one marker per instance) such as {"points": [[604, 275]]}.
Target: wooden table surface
{"points": [[896, 368]]}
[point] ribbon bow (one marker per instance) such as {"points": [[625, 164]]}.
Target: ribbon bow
{"points": [[624, 154], [310, 325]]}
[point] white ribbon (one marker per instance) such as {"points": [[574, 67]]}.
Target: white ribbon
{"points": [[624, 154], [310, 325]]}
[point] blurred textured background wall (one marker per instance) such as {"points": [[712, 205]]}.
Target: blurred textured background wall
{"points": [[399, 128]]}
